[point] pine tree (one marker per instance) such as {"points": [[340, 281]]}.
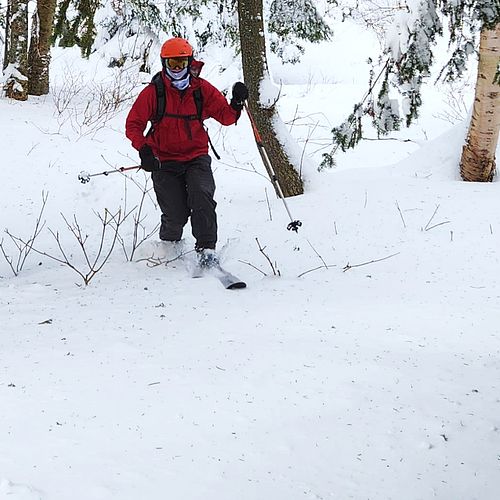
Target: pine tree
{"points": [[292, 21], [409, 58], [146, 23], [289, 22], [75, 24]]}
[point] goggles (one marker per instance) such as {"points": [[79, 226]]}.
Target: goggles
{"points": [[177, 63]]}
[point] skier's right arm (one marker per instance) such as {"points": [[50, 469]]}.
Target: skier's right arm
{"points": [[140, 113]]}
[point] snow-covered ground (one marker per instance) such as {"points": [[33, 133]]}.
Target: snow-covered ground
{"points": [[369, 369]]}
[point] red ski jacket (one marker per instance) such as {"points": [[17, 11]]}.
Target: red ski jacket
{"points": [[175, 138]]}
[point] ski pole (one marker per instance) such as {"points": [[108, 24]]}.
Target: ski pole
{"points": [[294, 224], [84, 176]]}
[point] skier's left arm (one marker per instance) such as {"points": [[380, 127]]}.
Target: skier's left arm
{"points": [[217, 106]]}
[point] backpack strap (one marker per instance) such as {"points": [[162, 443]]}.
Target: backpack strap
{"points": [[198, 101], [161, 102]]}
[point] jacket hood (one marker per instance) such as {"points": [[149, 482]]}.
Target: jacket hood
{"points": [[196, 67], [195, 70]]}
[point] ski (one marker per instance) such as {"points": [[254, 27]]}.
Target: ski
{"points": [[229, 281]]}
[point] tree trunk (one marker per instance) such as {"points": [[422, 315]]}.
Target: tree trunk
{"points": [[16, 61], [478, 154], [253, 55], [39, 52], [7, 30]]}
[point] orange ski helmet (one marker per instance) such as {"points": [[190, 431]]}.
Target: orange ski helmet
{"points": [[176, 47]]}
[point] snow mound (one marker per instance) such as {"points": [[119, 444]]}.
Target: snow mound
{"points": [[12, 491]]}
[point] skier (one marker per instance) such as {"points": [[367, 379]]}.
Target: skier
{"points": [[175, 150]]}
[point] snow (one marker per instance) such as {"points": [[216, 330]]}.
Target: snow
{"points": [[268, 92], [368, 369], [11, 71]]}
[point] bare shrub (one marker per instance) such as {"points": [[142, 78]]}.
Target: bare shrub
{"points": [[65, 95], [89, 106], [93, 262], [457, 100], [140, 233], [23, 248], [273, 266], [376, 15]]}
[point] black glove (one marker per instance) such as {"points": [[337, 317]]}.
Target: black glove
{"points": [[149, 162], [240, 95]]}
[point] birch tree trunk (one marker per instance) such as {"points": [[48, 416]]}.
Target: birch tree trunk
{"points": [[39, 52], [16, 60], [255, 69], [478, 154]]}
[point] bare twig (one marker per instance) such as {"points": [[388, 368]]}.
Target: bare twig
{"points": [[368, 93], [101, 257], [436, 225], [432, 217], [428, 227], [88, 107], [348, 266], [308, 138], [275, 270], [24, 248], [319, 256], [326, 266], [292, 122], [139, 233], [277, 98], [158, 261], [252, 170], [131, 178], [456, 108], [386, 139], [308, 119], [255, 267], [400, 214]]}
